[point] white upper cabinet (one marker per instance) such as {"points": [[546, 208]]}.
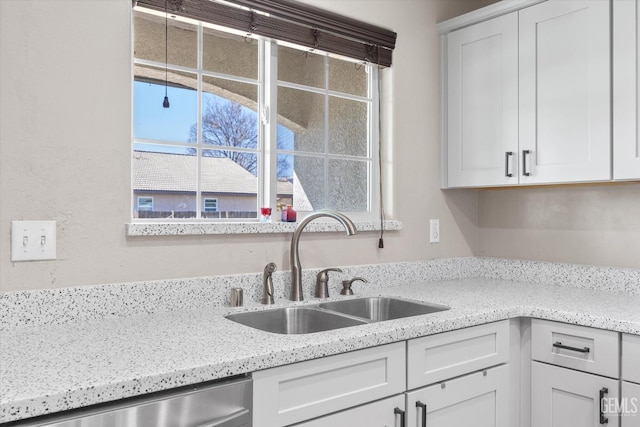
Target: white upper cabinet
{"points": [[626, 92], [482, 103], [528, 95], [565, 130]]}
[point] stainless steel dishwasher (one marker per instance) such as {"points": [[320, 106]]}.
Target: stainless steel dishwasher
{"points": [[225, 403]]}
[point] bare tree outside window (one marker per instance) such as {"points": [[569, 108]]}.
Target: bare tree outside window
{"points": [[227, 126]]}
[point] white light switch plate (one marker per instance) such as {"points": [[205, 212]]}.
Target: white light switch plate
{"points": [[33, 240]]}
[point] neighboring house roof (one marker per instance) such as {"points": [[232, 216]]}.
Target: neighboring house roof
{"points": [[177, 173]]}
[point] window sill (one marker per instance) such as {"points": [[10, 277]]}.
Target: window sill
{"points": [[138, 229]]}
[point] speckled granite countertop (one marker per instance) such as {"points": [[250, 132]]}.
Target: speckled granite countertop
{"points": [[56, 367]]}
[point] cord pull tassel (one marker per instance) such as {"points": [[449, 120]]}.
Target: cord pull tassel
{"points": [[165, 103]]}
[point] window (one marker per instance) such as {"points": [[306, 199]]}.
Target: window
{"points": [[145, 203], [223, 135], [210, 205]]}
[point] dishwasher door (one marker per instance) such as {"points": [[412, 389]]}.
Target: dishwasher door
{"points": [[218, 404]]}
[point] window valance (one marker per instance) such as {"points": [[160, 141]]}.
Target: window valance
{"points": [[292, 22]]}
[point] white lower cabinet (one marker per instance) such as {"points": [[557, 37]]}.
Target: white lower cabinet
{"points": [[460, 378], [463, 378], [563, 397], [384, 413], [630, 404], [631, 358], [461, 375], [575, 373], [479, 399]]}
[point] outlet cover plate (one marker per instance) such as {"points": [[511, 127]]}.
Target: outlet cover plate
{"points": [[434, 231]]}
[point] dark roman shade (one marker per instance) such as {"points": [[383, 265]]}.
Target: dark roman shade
{"points": [[292, 22]]}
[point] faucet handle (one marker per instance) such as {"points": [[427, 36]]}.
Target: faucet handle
{"points": [[346, 285], [322, 282]]}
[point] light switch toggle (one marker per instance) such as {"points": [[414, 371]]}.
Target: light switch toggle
{"points": [[33, 240]]}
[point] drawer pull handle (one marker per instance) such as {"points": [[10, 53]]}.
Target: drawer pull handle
{"points": [[558, 344], [603, 391], [398, 411], [423, 407]]}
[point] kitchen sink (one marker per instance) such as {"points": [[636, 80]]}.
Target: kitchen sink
{"points": [[378, 309], [294, 320], [332, 315]]}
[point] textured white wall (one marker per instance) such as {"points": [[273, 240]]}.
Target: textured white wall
{"points": [[65, 106]]}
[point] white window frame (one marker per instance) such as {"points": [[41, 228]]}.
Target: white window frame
{"points": [[267, 128], [373, 128]]}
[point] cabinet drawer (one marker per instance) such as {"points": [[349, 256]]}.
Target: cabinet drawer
{"points": [[577, 347], [631, 358], [630, 404], [480, 399], [451, 354], [377, 414], [306, 390]]}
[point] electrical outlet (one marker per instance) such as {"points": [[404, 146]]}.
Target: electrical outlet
{"points": [[33, 240], [434, 231]]}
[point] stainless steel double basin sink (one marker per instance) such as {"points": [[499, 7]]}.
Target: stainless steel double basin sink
{"points": [[332, 315]]}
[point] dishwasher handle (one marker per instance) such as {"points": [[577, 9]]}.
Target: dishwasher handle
{"points": [[239, 418]]}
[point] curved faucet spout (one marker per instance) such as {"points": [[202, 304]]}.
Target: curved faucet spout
{"points": [[294, 256]]}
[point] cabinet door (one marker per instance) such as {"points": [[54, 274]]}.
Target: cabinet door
{"points": [[626, 92], [562, 397], [482, 103], [630, 405], [565, 129], [631, 358], [378, 414], [479, 399]]}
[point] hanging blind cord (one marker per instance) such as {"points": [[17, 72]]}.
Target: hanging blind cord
{"points": [[166, 48], [382, 216], [165, 102]]}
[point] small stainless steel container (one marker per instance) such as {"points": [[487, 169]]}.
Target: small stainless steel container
{"points": [[236, 297]]}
